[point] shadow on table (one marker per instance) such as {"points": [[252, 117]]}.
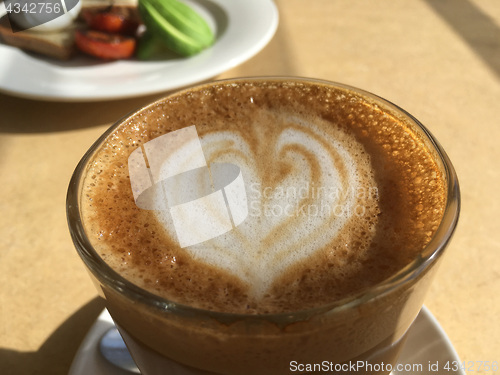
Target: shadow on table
{"points": [[474, 26], [56, 354], [19, 115]]}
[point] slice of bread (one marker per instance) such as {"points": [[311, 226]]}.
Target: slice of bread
{"points": [[101, 4], [57, 44]]}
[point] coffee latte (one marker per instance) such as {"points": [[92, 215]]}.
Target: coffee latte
{"points": [[243, 226], [340, 193]]}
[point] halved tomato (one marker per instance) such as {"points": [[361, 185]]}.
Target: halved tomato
{"points": [[105, 46], [110, 22]]}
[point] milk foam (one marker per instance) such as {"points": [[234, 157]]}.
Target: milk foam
{"points": [[292, 213], [341, 194]]}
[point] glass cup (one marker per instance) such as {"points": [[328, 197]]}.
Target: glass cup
{"points": [[362, 334]]}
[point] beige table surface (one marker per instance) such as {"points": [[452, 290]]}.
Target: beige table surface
{"points": [[438, 59]]}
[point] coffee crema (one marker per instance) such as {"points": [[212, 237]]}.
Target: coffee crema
{"points": [[342, 193]]}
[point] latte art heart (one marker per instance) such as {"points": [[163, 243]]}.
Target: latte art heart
{"points": [[302, 187]]}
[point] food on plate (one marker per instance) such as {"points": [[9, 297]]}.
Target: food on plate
{"points": [[111, 22], [57, 44], [148, 46], [105, 46], [178, 26], [119, 29]]}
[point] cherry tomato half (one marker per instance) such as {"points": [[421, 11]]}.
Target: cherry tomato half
{"points": [[105, 46], [110, 22]]}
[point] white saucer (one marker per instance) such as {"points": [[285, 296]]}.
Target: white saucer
{"points": [[426, 344], [242, 29]]}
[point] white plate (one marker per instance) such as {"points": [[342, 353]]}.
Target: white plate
{"points": [[426, 344], [242, 29]]}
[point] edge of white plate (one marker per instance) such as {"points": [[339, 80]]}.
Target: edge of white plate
{"points": [[96, 95]]}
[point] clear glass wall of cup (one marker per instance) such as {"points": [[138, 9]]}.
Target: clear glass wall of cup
{"points": [[167, 338]]}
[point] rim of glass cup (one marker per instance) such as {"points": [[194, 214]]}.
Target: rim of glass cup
{"points": [[105, 274]]}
